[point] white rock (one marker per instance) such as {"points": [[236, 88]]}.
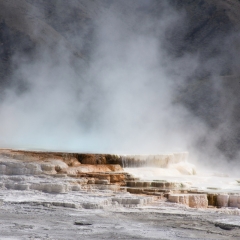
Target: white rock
{"points": [[198, 201], [102, 181], [3, 169], [20, 168], [48, 167], [179, 198], [191, 200], [50, 187], [131, 201], [59, 165], [234, 201], [70, 205], [22, 187], [76, 188]]}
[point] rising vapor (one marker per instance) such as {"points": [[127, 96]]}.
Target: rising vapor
{"points": [[124, 97]]}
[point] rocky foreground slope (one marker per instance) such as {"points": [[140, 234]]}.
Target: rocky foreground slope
{"points": [[47, 195]]}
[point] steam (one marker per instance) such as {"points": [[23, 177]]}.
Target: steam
{"points": [[122, 98]]}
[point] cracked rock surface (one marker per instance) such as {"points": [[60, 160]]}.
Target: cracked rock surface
{"points": [[29, 221]]}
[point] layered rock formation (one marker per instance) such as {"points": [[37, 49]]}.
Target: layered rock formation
{"points": [[73, 173]]}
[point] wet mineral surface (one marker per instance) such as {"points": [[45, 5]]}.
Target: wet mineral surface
{"points": [[48, 195]]}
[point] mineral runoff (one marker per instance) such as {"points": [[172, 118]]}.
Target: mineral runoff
{"points": [[63, 172]]}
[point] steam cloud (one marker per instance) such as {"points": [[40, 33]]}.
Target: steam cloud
{"points": [[122, 99]]}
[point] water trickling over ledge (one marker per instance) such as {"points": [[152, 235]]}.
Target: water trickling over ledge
{"points": [[164, 176], [156, 160], [124, 160]]}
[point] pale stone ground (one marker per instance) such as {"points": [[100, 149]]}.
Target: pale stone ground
{"points": [[159, 220], [37, 203]]}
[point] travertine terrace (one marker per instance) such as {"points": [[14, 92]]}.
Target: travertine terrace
{"points": [[55, 195], [58, 172]]}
